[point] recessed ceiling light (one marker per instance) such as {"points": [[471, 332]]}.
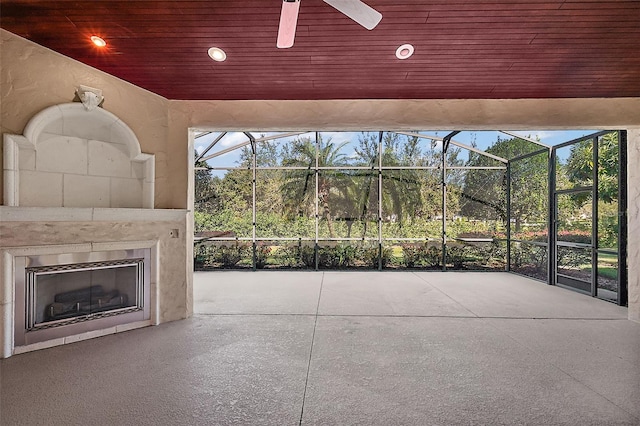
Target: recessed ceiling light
{"points": [[98, 41], [217, 54], [404, 51]]}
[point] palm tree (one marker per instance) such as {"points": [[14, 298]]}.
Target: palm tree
{"points": [[298, 188], [401, 188]]}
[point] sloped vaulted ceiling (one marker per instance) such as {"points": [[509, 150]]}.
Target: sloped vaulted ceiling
{"points": [[463, 49]]}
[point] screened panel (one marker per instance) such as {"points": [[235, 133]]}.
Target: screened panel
{"points": [[416, 254], [529, 259], [285, 254], [285, 204], [608, 285], [608, 190], [234, 200], [411, 204], [476, 254], [340, 149], [232, 149], [476, 203], [530, 198], [285, 149], [409, 151], [574, 165], [574, 217], [348, 255], [456, 156], [574, 267], [347, 204], [224, 255], [608, 225]]}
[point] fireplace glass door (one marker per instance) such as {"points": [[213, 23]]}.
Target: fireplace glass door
{"points": [[63, 294]]}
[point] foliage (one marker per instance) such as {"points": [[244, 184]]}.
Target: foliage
{"points": [[529, 259], [203, 256], [579, 168], [484, 192], [539, 236], [339, 256], [457, 255], [608, 225], [420, 255], [205, 196], [262, 254], [575, 236], [229, 256], [573, 258], [373, 257]]}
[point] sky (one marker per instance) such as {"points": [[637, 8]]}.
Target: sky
{"points": [[481, 139]]}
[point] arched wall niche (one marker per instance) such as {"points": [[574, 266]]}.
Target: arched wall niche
{"points": [[71, 157]]}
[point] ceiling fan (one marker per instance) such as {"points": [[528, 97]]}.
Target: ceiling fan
{"points": [[360, 12]]}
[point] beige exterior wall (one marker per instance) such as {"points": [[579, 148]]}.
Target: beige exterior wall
{"points": [[463, 114], [33, 78]]}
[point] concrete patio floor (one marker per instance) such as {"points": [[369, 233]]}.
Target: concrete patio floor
{"points": [[347, 348]]}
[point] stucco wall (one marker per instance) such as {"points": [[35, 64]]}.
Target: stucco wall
{"points": [[452, 114], [633, 213]]}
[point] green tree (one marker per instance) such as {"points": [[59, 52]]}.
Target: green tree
{"points": [[205, 197], [298, 189], [484, 191], [579, 168]]}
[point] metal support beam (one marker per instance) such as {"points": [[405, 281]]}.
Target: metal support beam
{"points": [[447, 140], [622, 219], [524, 138], [444, 209], [380, 177], [551, 220], [508, 213], [211, 145], [594, 218]]}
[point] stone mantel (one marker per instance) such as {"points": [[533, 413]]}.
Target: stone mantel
{"points": [[81, 214]]}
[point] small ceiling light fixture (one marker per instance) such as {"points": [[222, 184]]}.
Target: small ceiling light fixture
{"points": [[98, 41], [217, 54], [405, 51]]}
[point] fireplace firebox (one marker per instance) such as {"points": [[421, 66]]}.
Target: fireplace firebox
{"points": [[66, 294]]}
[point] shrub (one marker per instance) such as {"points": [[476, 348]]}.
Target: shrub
{"points": [[262, 253], [573, 258], [433, 256], [203, 256], [372, 256], [457, 255], [575, 236], [523, 254], [412, 254], [416, 255], [340, 256], [229, 256], [307, 256], [328, 257]]}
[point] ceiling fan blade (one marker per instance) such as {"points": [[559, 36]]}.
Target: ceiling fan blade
{"points": [[363, 14], [288, 23]]}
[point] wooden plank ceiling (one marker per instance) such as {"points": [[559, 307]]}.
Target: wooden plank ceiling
{"points": [[463, 49]]}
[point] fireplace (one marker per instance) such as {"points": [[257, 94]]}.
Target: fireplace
{"points": [[71, 293]]}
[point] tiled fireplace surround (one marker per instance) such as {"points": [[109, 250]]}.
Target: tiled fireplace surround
{"points": [[75, 182]]}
